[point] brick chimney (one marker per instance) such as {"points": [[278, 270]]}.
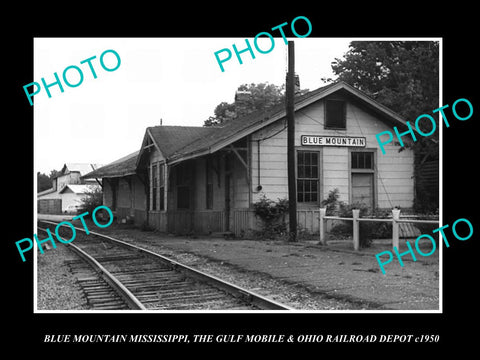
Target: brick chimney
{"points": [[242, 101]]}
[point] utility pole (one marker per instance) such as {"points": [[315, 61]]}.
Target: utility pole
{"points": [[289, 104]]}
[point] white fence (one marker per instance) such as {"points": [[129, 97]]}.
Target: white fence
{"points": [[395, 220]]}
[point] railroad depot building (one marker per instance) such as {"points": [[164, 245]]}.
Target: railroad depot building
{"points": [[206, 179]]}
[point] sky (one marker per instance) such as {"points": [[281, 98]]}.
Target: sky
{"points": [[177, 80]]}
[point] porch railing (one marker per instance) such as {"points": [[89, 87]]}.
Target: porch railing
{"points": [[356, 219]]}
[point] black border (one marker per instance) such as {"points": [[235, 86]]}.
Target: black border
{"points": [[456, 25]]}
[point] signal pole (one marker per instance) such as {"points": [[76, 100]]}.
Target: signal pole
{"points": [[289, 105]]}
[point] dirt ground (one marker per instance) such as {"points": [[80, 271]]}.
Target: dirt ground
{"points": [[333, 271]]}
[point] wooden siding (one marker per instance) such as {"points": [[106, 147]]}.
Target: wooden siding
{"points": [[130, 198], [123, 214], [427, 183], [335, 172], [70, 198], [273, 165], [309, 220], [124, 199], [108, 193], [241, 190], [49, 206], [244, 221], [394, 184], [207, 222], [198, 218], [70, 178], [180, 222], [218, 182], [137, 198], [158, 220], [140, 217]]}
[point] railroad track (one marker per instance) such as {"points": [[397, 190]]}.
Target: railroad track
{"points": [[115, 275], [100, 293]]}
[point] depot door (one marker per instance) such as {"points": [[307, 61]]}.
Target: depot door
{"points": [[362, 189]]}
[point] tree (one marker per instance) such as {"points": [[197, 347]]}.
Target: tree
{"points": [[54, 173], [43, 182], [251, 97], [404, 76], [223, 112]]}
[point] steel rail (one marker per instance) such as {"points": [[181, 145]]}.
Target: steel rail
{"points": [[232, 289], [130, 299]]}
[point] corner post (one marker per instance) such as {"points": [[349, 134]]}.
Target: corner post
{"points": [[395, 227], [323, 241], [356, 229]]}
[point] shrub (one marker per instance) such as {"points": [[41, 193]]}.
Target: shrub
{"points": [[272, 215], [331, 203], [92, 199]]}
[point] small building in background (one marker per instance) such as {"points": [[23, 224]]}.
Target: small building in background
{"points": [[68, 189]]}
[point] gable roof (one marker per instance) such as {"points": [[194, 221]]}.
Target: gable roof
{"points": [[179, 143], [238, 128], [45, 192], [171, 139], [82, 168], [168, 140], [78, 188], [120, 167]]}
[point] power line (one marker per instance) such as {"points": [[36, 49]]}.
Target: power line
{"points": [[274, 134], [320, 123]]}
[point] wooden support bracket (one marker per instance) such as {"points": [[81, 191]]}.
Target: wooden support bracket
{"points": [[235, 151]]}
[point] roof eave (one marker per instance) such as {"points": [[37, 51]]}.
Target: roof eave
{"points": [[225, 142], [144, 147], [119, 175], [255, 127], [281, 114]]}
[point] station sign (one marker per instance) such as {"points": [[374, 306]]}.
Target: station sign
{"points": [[320, 140]]}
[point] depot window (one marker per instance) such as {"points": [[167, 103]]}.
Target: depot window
{"points": [[308, 176], [162, 186], [154, 186], [362, 180], [335, 114], [362, 160], [157, 178]]}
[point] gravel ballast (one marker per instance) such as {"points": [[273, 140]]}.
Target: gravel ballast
{"points": [[57, 288], [303, 275]]}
